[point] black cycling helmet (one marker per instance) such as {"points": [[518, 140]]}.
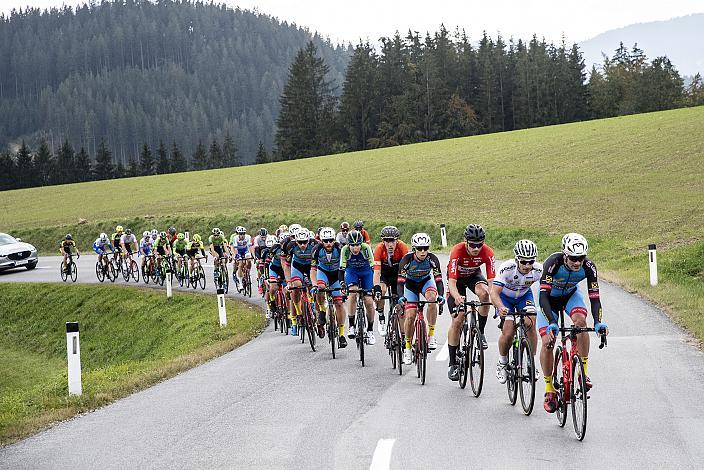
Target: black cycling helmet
{"points": [[263, 232], [172, 230], [358, 224], [474, 233], [69, 236], [354, 238], [390, 232]]}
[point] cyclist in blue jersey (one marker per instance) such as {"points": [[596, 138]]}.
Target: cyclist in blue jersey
{"points": [[276, 271], [419, 273], [101, 246], [324, 272], [562, 271], [297, 269], [357, 269]]}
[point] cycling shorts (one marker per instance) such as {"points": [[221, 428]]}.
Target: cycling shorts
{"points": [[390, 279], [219, 250], [241, 254], [192, 253], [362, 279], [180, 252], [161, 251], [465, 283], [412, 291], [147, 251], [299, 272], [324, 278], [571, 304], [276, 274], [515, 305]]}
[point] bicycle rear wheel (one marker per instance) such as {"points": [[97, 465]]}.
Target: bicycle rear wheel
{"points": [[525, 375], [361, 325], [63, 271], [247, 284], [332, 329], [559, 384], [200, 272], [476, 362], [134, 268], [111, 273], [125, 268], [422, 352], [310, 325], [513, 374], [391, 340], [464, 349], [579, 396]]}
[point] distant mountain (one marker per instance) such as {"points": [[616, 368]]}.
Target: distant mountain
{"points": [[680, 39], [136, 71]]}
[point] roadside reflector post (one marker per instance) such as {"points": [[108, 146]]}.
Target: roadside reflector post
{"points": [[443, 235], [221, 307], [187, 235], [73, 351], [653, 258], [169, 289]]}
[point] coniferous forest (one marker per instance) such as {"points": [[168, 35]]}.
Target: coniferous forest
{"points": [[131, 87]]}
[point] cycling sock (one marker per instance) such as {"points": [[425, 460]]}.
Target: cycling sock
{"points": [[431, 330], [351, 320], [549, 388], [584, 363], [503, 359], [408, 343], [453, 354], [293, 321], [482, 323], [341, 330], [370, 326]]}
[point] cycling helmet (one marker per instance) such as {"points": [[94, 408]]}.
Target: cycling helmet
{"points": [[270, 241], [240, 230], [294, 228], [390, 232], [128, 231], [119, 229], [145, 234], [282, 228], [180, 236], [284, 236], [420, 239], [216, 231], [103, 237], [69, 236], [172, 230], [196, 238], [525, 249], [162, 235], [263, 232], [155, 232], [327, 233], [221, 233], [474, 233], [358, 224], [574, 244], [345, 226], [354, 238], [302, 235]]}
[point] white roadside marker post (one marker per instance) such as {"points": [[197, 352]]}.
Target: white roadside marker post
{"points": [[73, 351], [221, 307], [653, 257], [187, 235], [443, 235]]}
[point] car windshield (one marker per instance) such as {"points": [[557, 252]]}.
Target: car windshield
{"points": [[6, 239]]}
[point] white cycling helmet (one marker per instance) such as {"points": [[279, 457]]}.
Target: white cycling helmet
{"points": [[294, 228], [574, 244], [155, 232], [327, 233], [103, 237], [240, 230], [145, 234], [525, 249], [420, 239], [302, 235], [284, 236], [270, 241]]}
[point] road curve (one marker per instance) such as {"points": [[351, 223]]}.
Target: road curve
{"points": [[273, 403]]}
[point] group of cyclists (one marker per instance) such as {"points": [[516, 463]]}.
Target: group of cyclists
{"points": [[344, 262]]}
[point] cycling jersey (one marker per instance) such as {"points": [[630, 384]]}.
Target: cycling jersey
{"points": [[116, 237], [389, 264], [515, 284], [241, 244], [160, 243], [179, 246], [341, 239], [297, 255], [145, 246], [558, 284], [325, 261], [193, 247], [128, 239], [365, 236], [259, 244], [100, 247], [360, 262], [67, 245], [217, 240], [416, 273], [463, 265], [277, 252]]}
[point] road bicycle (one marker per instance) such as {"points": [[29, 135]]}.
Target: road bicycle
{"points": [[360, 321], [105, 269], [69, 270], [420, 340], [182, 274], [393, 341], [520, 370], [197, 275], [220, 276], [332, 325], [569, 379], [282, 310], [148, 269], [246, 281], [470, 354], [306, 320], [129, 269]]}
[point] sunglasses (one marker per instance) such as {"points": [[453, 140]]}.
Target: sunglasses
{"points": [[475, 245], [355, 244], [328, 241], [389, 240], [422, 248], [525, 262], [576, 259], [302, 243]]}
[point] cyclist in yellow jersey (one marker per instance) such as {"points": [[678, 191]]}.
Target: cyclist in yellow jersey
{"points": [[68, 244]]}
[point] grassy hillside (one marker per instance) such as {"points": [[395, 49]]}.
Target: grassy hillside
{"points": [[130, 338]]}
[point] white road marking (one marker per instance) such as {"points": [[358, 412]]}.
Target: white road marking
{"points": [[382, 454], [443, 354]]}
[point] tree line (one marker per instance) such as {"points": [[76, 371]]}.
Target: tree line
{"points": [[26, 168], [441, 86]]}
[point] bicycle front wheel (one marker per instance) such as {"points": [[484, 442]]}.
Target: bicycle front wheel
{"points": [[559, 384], [464, 349], [525, 376], [99, 273], [332, 330], [73, 271], [422, 352], [310, 325], [391, 339], [134, 271], [111, 272], [579, 396], [513, 374], [361, 329], [64, 274], [476, 362]]}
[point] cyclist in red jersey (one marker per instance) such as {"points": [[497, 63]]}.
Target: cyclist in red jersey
{"points": [[359, 226], [464, 272], [387, 255]]}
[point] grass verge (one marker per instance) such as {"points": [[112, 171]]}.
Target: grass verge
{"points": [[131, 338]]}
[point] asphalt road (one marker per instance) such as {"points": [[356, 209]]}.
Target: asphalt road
{"points": [[273, 403]]}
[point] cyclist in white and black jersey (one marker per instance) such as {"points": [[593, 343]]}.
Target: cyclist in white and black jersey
{"points": [[256, 248], [128, 242], [511, 292]]}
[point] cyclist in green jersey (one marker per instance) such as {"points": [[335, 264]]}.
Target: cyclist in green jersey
{"points": [[219, 247], [179, 247]]}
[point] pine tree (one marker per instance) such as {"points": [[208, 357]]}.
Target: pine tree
{"points": [[82, 167], [43, 163], [695, 91], [215, 157], [103, 168], [26, 176], [229, 151], [8, 172], [65, 165], [132, 167], [178, 162], [146, 161], [119, 170], [262, 155], [200, 157], [163, 165], [359, 106]]}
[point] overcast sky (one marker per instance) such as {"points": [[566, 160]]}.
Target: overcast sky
{"points": [[351, 20]]}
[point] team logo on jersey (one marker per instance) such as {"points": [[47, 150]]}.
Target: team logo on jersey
{"points": [[595, 285], [548, 279]]}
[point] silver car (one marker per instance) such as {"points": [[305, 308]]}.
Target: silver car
{"points": [[14, 253]]}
